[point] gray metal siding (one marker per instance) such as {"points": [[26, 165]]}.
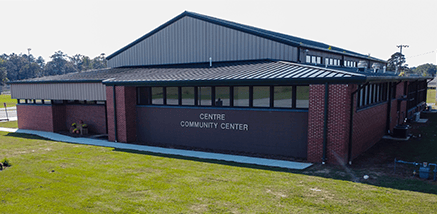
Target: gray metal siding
{"points": [[59, 91], [190, 40]]}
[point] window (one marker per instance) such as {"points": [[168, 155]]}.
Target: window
{"points": [[241, 96], [172, 95], [204, 96], [302, 96], [222, 96], [157, 95], [188, 96], [313, 59], [372, 94], [289, 97], [416, 93], [261, 96], [143, 94], [282, 96]]}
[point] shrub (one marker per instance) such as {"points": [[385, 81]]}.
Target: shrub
{"points": [[73, 125], [6, 162], [84, 125]]}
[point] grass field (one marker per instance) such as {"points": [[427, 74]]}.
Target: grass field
{"points": [[7, 99], [10, 124], [430, 97], [54, 177]]}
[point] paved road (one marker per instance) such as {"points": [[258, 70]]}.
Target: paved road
{"points": [[12, 113]]}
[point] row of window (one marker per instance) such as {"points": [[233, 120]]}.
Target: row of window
{"points": [[348, 63], [49, 102], [314, 59], [226, 96], [329, 61], [416, 93], [375, 93]]}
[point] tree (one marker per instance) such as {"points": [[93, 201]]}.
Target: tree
{"points": [[396, 61], [59, 65], [81, 62], [100, 62], [426, 69], [40, 61], [3, 73]]}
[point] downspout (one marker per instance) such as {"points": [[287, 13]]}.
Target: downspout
{"points": [[388, 122], [351, 123], [325, 123], [115, 113]]}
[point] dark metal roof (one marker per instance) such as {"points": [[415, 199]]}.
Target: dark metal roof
{"points": [[283, 38], [237, 73], [259, 72]]}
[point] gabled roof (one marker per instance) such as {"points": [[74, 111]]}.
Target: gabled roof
{"points": [[279, 37], [259, 72]]}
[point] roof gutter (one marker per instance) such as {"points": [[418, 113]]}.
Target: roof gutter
{"points": [[54, 81]]}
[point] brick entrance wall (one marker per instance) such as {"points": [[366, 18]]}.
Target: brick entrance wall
{"points": [[35, 117], [126, 113], [93, 115], [54, 118]]}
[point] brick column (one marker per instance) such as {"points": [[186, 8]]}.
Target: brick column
{"points": [[125, 98], [338, 123]]}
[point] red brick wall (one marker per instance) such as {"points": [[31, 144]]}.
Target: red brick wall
{"points": [[93, 115], [315, 123], [338, 123], [368, 128], [35, 117], [126, 113], [395, 115], [369, 124]]}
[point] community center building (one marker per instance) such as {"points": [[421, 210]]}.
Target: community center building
{"points": [[199, 82]]}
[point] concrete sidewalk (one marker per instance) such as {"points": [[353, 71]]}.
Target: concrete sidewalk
{"points": [[159, 150], [12, 114]]}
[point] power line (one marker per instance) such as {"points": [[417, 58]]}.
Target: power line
{"points": [[430, 52]]}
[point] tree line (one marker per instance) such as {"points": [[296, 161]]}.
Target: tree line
{"points": [[398, 60], [17, 67], [24, 66]]}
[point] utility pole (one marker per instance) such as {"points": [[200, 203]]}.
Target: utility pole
{"points": [[28, 54], [400, 46]]}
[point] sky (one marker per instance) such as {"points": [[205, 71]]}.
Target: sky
{"points": [[92, 27]]}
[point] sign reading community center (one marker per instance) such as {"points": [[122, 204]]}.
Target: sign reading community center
{"points": [[214, 121]]}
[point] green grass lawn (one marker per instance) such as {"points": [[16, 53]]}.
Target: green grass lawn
{"points": [[430, 97], [54, 177], [9, 124], [4, 98]]}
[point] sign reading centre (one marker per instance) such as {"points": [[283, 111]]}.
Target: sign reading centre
{"points": [[214, 121]]}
